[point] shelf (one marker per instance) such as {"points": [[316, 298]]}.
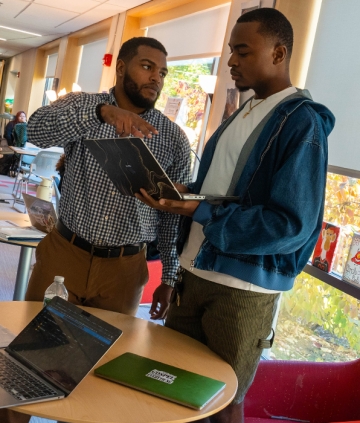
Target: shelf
{"points": [[333, 280]]}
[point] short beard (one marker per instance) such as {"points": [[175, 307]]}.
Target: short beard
{"points": [[133, 92], [243, 89]]}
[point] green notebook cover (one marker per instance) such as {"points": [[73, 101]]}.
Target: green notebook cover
{"points": [[162, 380]]}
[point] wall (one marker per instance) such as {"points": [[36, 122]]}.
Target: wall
{"points": [[20, 87], [29, 87], [333, 77]]}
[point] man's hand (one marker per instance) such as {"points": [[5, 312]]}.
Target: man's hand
{"points": [[161, 302], [126, 122], [186, 208]]}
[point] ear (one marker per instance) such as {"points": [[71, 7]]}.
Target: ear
{"points": [[279, 54], [120, 68]]}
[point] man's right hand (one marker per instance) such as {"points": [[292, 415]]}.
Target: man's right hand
{"points": [[126, 122]]}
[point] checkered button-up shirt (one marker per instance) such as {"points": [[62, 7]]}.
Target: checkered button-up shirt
{"points": [[90, 205]]}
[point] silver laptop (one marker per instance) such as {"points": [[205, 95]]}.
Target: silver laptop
{"points": [[42, 213], [55, 351], [130, 165]]}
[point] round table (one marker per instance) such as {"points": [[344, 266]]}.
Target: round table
{"points": [[97, 400]]}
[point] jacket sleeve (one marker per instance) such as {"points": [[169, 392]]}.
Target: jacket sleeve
{"points": [[68, 119], [290, 215]]}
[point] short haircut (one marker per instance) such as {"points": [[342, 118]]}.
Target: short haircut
{"points": [[272, 24], [130, 48]]}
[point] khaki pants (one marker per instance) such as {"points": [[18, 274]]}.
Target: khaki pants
{"points": [[114, 284]]}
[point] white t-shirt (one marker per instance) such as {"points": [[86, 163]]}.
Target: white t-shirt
{"points": [[218, 179]]}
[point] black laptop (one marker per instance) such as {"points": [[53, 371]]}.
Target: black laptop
{"points": [[130, 165], [55, 351]]}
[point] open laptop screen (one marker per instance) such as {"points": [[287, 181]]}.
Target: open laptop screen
{"points": [[62, 343]]}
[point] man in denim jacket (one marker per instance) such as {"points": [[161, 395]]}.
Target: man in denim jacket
{"points": [[236, 257]]}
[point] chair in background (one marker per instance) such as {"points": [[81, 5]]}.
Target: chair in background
{"points": [[24, 168], [298, 391], [155, 271], [43, 166]]}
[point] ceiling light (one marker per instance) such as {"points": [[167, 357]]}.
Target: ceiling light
{"points": [[19, 30], [62, 92], [76, 87], [51, 95], [2, 39]]}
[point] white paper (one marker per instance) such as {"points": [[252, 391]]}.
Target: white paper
{"points": [[9, 232]]}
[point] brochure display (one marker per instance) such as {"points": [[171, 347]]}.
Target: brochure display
{"points": [[325, 248], [352, 267]]}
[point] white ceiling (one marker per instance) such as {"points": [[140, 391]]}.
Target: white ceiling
{"points": [[51, 19]]}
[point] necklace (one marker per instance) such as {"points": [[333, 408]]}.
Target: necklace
{"points": [[252, 107]]}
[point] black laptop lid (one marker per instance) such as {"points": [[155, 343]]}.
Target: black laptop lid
{"points": [[62, 343], [130, 165]]}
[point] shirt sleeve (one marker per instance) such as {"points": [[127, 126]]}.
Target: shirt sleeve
{"points": [[68, 119], [168, 228]]}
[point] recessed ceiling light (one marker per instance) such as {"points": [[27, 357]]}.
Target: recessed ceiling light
{"points": [[19, 30], [2, 39]]}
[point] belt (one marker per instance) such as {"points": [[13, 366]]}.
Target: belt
{"points": [[105, 252]]}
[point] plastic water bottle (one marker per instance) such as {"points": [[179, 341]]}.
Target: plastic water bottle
{"points": [[57, 288]]}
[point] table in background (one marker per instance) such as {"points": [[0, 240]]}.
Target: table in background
{"points": [[31, 149], [23, 270], [97, 400]]}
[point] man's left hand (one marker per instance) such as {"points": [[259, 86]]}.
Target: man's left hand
{"points": [[186, 208], [161, 302]]}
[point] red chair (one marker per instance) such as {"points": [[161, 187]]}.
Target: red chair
{"points": [[155, 269], [288, 391]]}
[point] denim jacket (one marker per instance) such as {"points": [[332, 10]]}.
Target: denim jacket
{"points": [[267, 238]]}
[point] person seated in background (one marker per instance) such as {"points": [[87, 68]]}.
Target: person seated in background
{"points": [[9, 128]]}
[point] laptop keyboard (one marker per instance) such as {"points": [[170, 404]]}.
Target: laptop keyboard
{"points": [[20, 384]]}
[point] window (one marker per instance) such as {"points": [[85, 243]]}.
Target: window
{"points": [[50, 81], [317, 321], [182, 82]]}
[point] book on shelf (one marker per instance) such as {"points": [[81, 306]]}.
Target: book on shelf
{"points": [[325, 248], [352, 266], [18, 233]]}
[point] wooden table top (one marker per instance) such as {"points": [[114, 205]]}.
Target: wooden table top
{"points": [[97, 400]]}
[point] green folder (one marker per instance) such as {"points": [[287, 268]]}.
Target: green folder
{"points": [[162, 380]]}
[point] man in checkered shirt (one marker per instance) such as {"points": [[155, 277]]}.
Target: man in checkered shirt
{"points": [[99, 241]]}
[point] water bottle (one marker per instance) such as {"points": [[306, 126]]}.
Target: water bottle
{"points": [[57, 288]]}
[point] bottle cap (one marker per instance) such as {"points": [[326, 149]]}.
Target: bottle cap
{"points": [[59, 279]]}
